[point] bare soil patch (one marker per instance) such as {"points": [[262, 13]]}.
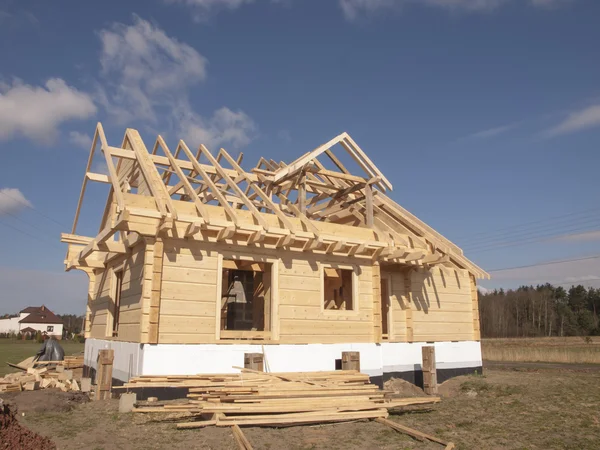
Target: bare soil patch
{"points": [[403, 388], [508, 409], [13, 435], [44, 400]]}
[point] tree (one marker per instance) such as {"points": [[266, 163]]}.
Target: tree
{"points": [[544, 310], [585, 322], [577, 298]]}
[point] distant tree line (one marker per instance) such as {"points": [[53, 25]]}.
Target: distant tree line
{"points": [[72, 324], [543, 310]]}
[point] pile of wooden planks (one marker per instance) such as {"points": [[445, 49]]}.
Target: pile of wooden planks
{"points": [[73, 362], [49, 374], [276, 399]]}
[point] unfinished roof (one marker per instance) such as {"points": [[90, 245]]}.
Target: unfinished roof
{"points": [[298, 206]]}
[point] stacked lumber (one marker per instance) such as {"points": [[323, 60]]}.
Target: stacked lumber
{"points": [[73, 362], [41, 377], [276, 399]]}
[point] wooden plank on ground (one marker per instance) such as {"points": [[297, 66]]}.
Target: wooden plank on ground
{"points": [[241, 439], [411, 432]]}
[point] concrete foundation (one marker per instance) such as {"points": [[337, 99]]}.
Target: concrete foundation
{"points": [[379, 361]]}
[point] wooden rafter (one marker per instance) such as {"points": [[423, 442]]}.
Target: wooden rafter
{"points": [[306, 197]]}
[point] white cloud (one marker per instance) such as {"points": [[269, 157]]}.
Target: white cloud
{"points": [[100, 166], [582, 278], [576, 121], [81, 140], [11, 201], [224, 127], [204, 9], [583, 271], [491, 132], [37, 111], [586, 236], [148, 77], [146, 69], [352, 9]]}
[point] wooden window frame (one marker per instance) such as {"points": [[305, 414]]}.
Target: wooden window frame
{"points": [[355, 296], [229, 335]]}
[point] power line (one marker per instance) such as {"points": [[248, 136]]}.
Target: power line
{"points": [[25, 222], [546, 263], [530, 240], [27, 205], [25, 233], [524, 232], [530, 223]]}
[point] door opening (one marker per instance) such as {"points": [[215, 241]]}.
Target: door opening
{"points": [[245, 299]]}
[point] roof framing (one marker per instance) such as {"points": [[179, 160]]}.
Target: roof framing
{"points": [[301, 206]]}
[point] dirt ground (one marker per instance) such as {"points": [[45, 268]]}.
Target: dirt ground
{"points": [[508, 409]]}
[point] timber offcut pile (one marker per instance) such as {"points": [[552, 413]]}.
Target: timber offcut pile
{"points": [[254, 398], [50, 374]]}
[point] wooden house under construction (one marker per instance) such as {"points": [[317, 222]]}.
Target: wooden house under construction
{"points": [[196, 263]]}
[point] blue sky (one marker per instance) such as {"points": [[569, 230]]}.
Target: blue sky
{"points": [[484, 114]]}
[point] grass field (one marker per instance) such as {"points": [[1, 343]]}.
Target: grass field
{"points": [[573, 350], [15, 351], [504, 409]]}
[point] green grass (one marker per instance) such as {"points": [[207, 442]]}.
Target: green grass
{"points": [[14, 351]]}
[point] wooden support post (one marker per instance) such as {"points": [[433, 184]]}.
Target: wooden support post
{"points": [[475, 301], [302, 195], [408, 306], [351, 361], [104, 374], [254, 361], [429, 370], [369, 205], [376, 283], [155, 296]]}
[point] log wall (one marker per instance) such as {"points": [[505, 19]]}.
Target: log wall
{"points": [[171, 294], [431, 305], [101, 302]]}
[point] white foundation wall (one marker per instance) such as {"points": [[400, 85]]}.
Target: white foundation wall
{"points": [[128, 357], [134, 359], [375, 359], [406, 357], [164, 359]]}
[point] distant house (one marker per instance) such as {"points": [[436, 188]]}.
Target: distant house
{"points": [[33, 319]]}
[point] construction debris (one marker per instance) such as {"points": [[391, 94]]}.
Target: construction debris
{"points": [[44, 375], [275, 399]]}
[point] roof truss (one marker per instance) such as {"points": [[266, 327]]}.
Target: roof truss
{"points": [[298, 206]]}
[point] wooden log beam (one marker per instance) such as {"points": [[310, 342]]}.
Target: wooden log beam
{"points": [[200, 207]]}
